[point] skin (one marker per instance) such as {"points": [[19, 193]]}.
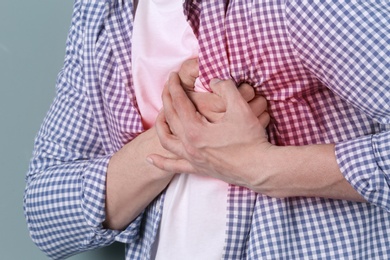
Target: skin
{"points": [[129, 173], [127, 177], [235, 149]]}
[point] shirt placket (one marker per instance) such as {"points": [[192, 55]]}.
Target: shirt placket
{"points": [[210, 26]]}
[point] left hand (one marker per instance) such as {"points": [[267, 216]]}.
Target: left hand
{"points": [[222, 148], [212, 106]]}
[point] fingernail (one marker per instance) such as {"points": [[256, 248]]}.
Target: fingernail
{"points": [[149, 160], [214, 81]]}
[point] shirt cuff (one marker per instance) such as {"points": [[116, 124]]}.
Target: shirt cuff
{"points": [[93, 202], [363, 163]]}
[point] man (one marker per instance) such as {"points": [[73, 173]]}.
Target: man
{"points": [[271, 46], [329, 127]]}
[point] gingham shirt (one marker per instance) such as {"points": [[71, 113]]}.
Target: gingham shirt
{"points": [[324, 68]]}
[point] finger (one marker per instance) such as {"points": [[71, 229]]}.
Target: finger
{"points": [[168, 141], [178, 103], [246, 91], [188, 73], [170, 165], [258, 105], [206, 101], [227, 90], [170, 116], [264, 119]]}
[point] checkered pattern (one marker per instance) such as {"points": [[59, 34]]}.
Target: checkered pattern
{"points": [[324, 67]]}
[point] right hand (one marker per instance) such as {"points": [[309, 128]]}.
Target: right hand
{"points": [[222, 149]]}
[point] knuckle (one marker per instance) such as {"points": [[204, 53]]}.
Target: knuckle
{"points": [[192, 136], [191, 151], [193, 140], [261, 99], [164, 143], [247, 91]]}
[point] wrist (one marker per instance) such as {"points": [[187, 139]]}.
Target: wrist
{"points": [[308, 171], [268, 173], [290, 173], [302, 170], [151, 145], [128, 174]]}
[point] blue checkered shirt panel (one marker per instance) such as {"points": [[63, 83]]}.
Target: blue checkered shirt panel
{"points": [[323, 67]]}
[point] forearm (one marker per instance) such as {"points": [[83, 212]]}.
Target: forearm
{"points": [[310, 171], [235, 149], [132, 183]]}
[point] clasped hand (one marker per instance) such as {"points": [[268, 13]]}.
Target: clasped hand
{"points": [[215, 134]]}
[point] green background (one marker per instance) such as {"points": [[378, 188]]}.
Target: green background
{"points": [[32, 48]]}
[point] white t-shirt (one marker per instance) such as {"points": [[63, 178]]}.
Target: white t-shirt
{"points": [[193, 222]]}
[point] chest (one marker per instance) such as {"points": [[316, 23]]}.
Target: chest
{"points": [[249, 41]]}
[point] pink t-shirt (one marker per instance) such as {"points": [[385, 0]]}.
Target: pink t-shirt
{"points": [[194, 217]]}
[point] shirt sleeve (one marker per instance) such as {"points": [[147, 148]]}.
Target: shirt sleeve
{"points": [[347, 46], [64, 200]]}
